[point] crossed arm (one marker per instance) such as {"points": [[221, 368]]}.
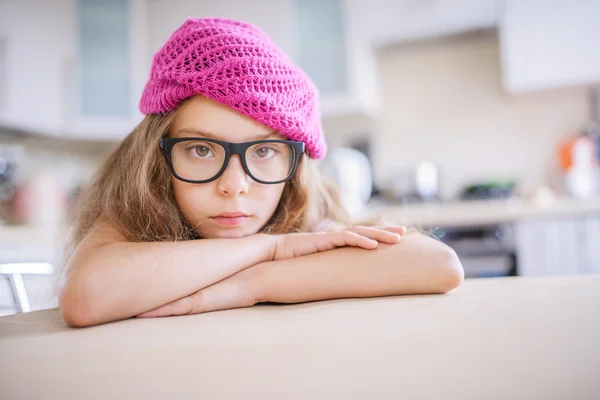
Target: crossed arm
{"points": [[108, 279], [416, 265]]}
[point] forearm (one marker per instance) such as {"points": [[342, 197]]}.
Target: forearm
{"points": [[416, 265], [121, 280]]}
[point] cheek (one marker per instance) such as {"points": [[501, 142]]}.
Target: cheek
{"points": [[270, 195], [190, 197]]}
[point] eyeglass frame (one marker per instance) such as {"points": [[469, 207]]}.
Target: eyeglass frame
{"points": [[166, 146]]}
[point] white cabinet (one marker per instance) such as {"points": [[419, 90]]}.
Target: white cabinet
{"points": [[339, 59], [558, 246], [77, 68], [272, 16], [108, 69], [38, 43], [63, 62], [321, 36], [549, 44], [390, 21]]}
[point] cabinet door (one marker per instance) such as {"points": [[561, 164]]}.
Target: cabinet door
{"points": [[591, 250], [37, 39], [104, 42], [531, 243], [320, 34], [389, 21], [549, 44], [109, 68], [272, 16], [566, 247], [334, 50], [558, 246]]}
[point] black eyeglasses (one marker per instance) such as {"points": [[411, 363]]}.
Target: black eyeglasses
{"points": [[201, 160]]}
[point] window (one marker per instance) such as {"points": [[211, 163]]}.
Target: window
{"points": [[104, 58]]}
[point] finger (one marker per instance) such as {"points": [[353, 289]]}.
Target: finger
{"points": [[401, 230], [157, 312], [331, 240], [163, 311], [349, 238], [182, 306], [381, 235]]}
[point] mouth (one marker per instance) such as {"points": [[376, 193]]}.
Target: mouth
{"points": [[231, 218]]}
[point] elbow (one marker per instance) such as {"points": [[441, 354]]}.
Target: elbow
{"points": [[75, 303], [453, 273], [72, 315]]}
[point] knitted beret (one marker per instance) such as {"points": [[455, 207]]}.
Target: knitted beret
{"points": [[236, 64]]}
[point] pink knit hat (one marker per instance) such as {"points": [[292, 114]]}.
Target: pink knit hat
{"points": [[236, 64]]}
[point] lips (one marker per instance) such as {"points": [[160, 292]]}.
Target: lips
{"points": [[231, 218], [231, 215]]}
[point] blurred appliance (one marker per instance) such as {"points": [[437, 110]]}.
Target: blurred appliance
{"points": [[351, 170], [415, 185], [579, 166], [40, 201], [10, 157], [485, 251], [490, 190]]}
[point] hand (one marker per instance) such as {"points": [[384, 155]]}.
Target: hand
{"points": [[239, 290], [300, 244], [244, 289]]}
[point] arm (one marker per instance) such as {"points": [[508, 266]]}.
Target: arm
{"points": [[416, 265], [109, 279]]}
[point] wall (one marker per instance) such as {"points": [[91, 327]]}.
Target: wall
{"points": [[443, 101]]}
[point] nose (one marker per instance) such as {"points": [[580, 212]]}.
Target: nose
{"points": [[234, 180]]}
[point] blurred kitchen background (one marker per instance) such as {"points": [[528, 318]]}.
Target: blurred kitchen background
{"points": [[475, 120]]}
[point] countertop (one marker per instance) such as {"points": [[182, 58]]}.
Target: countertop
{"points": [[485, 211], [19, 243], [502, 338]]}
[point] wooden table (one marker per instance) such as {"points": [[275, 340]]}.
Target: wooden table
{"points": [[501, 338]]}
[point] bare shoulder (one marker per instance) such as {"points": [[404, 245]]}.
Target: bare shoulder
{"points": [[101, 234]]}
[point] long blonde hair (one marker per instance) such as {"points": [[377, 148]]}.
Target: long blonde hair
{"points": [[132, 192]]}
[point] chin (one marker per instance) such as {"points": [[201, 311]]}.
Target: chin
{"points": [[232, 233]]}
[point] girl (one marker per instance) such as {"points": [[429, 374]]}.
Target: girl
{"points": [[226, 154]]}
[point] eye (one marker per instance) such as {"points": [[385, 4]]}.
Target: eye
{"points": [[264, 152], [202, 151]]}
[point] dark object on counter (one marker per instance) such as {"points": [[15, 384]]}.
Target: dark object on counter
{"points": [[485, 251], [7, 170], [8, 164], [488, 190]]}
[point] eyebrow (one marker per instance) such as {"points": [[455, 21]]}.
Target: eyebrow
{"points": [[200, 133]]}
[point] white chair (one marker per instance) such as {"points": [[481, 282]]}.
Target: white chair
{"points": [[15, 272]]}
